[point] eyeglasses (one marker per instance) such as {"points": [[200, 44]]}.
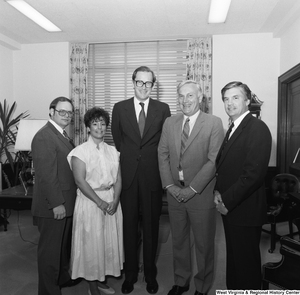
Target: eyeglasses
{"points": [[140, 83], [63, 113]]}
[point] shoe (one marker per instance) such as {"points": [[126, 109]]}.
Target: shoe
{"points": [[198, 293], [177, 290], [152, 287], [71, 283], [127, 286], [108, 290]]}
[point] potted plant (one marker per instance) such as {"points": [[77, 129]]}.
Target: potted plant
{"points": [[8, 133]]}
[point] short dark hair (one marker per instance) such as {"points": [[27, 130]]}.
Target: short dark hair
{"points": [[241, 85], [94, 114], [143, 69], [54, 102]]}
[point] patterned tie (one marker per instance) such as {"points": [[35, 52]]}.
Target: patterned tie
{"points": [[142, 119], [68, 138], [184, 137], [226, 139]]}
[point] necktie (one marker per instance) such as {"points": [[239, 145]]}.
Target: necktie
{"points": [[184, 137], [224, 142], [68, 138], [142, 119], [228, 133]]}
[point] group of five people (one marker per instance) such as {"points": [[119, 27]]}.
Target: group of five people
{"points": [[120, 187]]}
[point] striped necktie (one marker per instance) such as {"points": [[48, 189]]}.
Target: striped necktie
{"points": [[142, 119], [184, 137], [65, 134]]}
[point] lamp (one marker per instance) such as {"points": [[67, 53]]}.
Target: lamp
{"points": [[26, 131]]}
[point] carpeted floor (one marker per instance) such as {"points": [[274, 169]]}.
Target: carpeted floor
{"points": [[18, 267]]}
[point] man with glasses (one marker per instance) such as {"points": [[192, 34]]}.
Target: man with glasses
{"points": [[54, 198], [136, 128]]}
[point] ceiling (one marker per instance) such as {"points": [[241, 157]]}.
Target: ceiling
{"points": [[137, 20]]}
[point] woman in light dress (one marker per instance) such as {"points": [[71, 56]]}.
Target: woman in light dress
{"points": [[97, 241]]}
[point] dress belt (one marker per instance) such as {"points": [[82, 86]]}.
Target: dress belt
{"points": [[103, 188]]}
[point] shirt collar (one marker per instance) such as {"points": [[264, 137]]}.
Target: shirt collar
{"points": [[238, 121], [193, 118], [56, 126]]}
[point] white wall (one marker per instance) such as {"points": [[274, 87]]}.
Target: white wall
{"points": [[254, 60], [6, 75], [290, 47], [41, 73]]}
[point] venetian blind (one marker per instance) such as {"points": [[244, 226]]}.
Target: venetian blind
{"points": [[111, 66]]}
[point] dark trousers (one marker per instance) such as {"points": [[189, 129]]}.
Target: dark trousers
{"points": [[140, 203], [53, 254], [243, 262]]}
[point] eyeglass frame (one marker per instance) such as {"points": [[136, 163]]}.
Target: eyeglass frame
{"points": [[144, 83], [63, 113]]}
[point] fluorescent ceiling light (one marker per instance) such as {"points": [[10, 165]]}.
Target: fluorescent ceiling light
{"points": [[218, 11], [34, 15]]}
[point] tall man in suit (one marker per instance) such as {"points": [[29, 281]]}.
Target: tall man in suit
{"points": [[240, 193], [53, 198], [136, 129], [187, 151]]}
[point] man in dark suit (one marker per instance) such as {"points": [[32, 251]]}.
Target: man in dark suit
{"points": [[240, 193], [187, 151], [53, 198], [136, 129]]}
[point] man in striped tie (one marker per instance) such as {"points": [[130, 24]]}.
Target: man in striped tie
{"points": [[187, 151]]}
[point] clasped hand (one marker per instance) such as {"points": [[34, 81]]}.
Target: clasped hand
{"points": [[110, 207], [219, 203], [181, 195]]}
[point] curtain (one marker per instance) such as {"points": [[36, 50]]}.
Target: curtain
{"points": [[78, 89], [199, 66]]}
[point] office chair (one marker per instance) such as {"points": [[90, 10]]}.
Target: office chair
{"points": [[284, 274], [279, 205]]}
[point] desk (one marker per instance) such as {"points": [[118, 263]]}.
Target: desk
{"points": [[14, 198]]}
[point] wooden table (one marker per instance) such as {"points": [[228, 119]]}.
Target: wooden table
{"points": [[15, 198]]}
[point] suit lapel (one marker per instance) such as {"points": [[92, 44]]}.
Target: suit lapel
{"points": [[131, 116], [196, 129], [177, 132], [60, 137], [233, 138], [151, 115]]}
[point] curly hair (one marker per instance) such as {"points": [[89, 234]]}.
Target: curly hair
{"points": [[95, 114]]}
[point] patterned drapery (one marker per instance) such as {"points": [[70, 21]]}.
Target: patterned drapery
{"points": [[79, 89], [199, 67]]}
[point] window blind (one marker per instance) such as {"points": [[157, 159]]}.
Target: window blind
{"points": [[111, 65]]}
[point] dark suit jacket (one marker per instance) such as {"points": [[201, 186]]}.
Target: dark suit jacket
{"points": [[135, 150], [54, 182], [241, 172]]}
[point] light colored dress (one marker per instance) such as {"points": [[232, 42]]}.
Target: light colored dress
{"points": [[97, 239]]}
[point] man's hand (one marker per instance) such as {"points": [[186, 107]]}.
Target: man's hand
{"points": [[174, 190], [219, 203], [59, 212], [186, 194]]}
